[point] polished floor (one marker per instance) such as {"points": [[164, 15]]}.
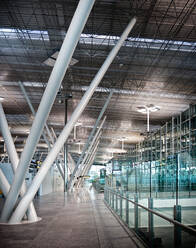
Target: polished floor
{"points": [[78, 219]]}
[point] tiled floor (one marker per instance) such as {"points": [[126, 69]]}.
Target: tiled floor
{"points": [[78, 219]]}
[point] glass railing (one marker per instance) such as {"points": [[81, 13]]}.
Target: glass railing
{"points": [[157, 228]]}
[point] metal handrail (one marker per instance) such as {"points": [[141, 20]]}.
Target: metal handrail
{"points": [[175, 222]]}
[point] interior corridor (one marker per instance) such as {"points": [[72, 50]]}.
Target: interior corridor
{"points": [[78, 219]]}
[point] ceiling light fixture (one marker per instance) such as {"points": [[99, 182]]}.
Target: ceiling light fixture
{"points": [[116, 150], [1, 99], [146, 109], [52, 59]]}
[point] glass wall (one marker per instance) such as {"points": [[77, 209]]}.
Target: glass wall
{"points": [[162, 168]]}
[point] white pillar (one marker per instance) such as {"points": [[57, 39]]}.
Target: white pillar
{"points": [[89, 163], [95, 138], [11, 150], [46, 126], [56, 77], [4, 184], [73, 176], [22, 206]]}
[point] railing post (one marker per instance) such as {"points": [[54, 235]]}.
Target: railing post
{"points": [[150, 220], [121, 193], [113, 199], [177, 229], [127, 208], [117, 201], [136, 212]]}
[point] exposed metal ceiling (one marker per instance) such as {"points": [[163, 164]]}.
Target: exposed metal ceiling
{"points": [[156, 65]]}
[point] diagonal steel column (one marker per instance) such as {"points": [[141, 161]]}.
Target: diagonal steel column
{"points": [[70, 183], [22, 206], [11, 150], [73, 34], [4, 184], [81, 173], [49, 134], [88, 151], [72, 163], [55, 138], [95, 138], [89, 163], [46, 126]]}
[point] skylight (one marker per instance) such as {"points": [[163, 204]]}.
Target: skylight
{"points": [[12, 33], [139, 42], [145, 43]]}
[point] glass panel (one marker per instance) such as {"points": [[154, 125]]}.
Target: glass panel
{"points": [[187, 240], [124, 210], [143, 223], [163, 233], [131, 215]]}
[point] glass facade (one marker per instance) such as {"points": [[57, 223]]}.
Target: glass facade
{"points": [[161, 169]]}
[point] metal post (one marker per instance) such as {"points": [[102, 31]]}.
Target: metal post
{"points": [[11, 150], [70, 184], [150, 220], [121, 193], [56, 77], [112, 199], [22, 206], [65, 152], [136, 216], [117, 202], [177, 229], [127, 208]]}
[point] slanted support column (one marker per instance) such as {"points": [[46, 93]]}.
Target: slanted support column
{"points": [[4, 184], [89, 163], [90, 148], [70, 183], [22, 206], [56, 77], [11, 150], [46, 126], [89, 160]]}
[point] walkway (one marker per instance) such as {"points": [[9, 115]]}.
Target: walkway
{"points": [[78, 220]]}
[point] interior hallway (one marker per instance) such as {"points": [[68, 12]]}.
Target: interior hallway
{"points": [[80, 219]]}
